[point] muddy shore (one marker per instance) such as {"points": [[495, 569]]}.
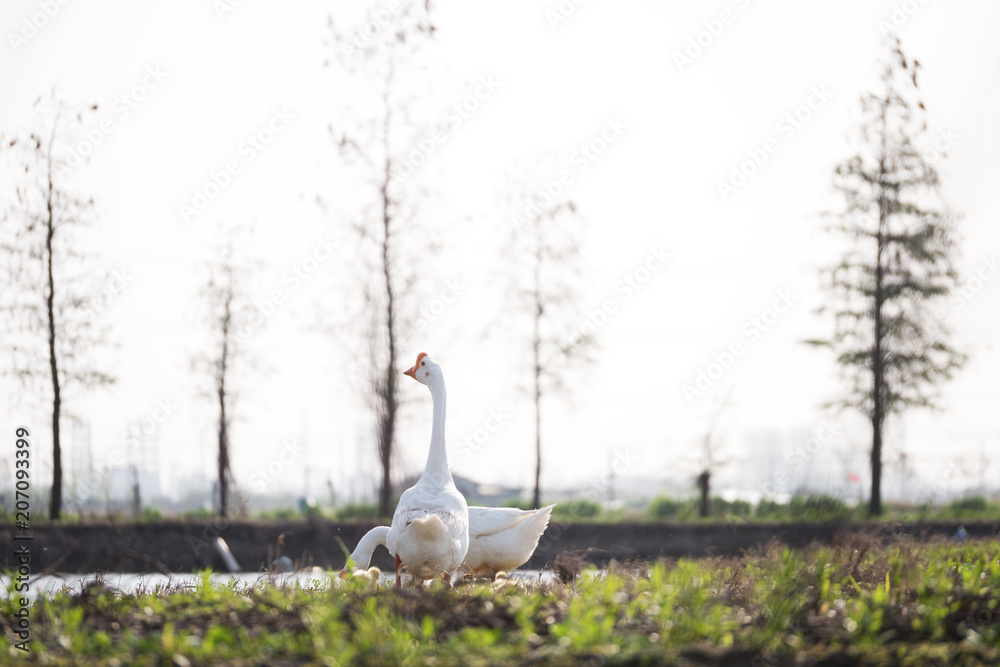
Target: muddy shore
{"points": [[174, 546]]}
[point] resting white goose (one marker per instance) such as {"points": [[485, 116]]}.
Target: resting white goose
{"points": [[500, 539], [429, 535]]}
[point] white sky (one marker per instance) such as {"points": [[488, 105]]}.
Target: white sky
{"points": [[655, 186]]}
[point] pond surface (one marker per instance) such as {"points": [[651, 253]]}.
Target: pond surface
{"points": [[134, 582]]}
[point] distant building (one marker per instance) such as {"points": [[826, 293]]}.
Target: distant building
{"points": [[764, 461], [122, 478]]}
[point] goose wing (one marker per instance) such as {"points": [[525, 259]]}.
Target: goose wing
{"points": [[484, 521]]}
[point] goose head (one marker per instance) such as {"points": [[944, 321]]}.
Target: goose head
{"points": [[426, 371]]}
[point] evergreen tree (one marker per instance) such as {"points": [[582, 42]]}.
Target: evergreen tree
{"points": [[889, 343]]}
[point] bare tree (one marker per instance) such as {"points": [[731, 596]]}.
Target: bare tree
{"points": [[888, 340], [226, 304], [712, 445], [542, 263], [56, 332], [378, 142]]}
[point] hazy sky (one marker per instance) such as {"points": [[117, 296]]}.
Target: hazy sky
{"points": [[674, 130]]}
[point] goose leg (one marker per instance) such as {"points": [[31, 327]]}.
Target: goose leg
{"points": [[399, 563]]}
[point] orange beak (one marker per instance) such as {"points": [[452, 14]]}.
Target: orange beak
{"points": [[412, 372]]}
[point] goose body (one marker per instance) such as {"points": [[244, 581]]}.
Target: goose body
{"points": [[429, 535], [500, 539]]}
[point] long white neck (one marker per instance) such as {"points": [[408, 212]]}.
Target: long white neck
{"points": [[362, 555], [436, 471]]}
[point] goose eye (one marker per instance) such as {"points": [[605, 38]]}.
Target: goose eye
{"points": [[423, 363]]}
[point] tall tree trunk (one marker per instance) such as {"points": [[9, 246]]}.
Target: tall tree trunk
{"points": [[223, 417], [878, 353], [387, 434], [875, 503], [537, 497], [537, 351], [223, 454], [386, 437], [703, 487], [55, 508], [878, 393]]}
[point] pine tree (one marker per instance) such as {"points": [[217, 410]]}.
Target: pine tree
{"points": [[889, 342]]}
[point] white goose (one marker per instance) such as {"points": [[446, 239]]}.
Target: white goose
{"points": [[503, 538], [429, 535], [500, 539]]}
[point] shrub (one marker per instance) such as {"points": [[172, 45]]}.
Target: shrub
{"points": [[311, 511], [664, 507], [721, 507], [969, 505], [818, 508], [972, 507], [353, 511], [770, 509], [577, 509], [151, 514]]}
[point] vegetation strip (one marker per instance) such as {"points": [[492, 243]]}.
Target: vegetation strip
{"points": [[856, 603]]}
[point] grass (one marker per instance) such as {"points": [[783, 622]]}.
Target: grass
{"points": [[856, 603], [816, 508], [812, 508]]}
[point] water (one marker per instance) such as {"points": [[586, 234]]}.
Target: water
{"points": [[126, 583]]}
